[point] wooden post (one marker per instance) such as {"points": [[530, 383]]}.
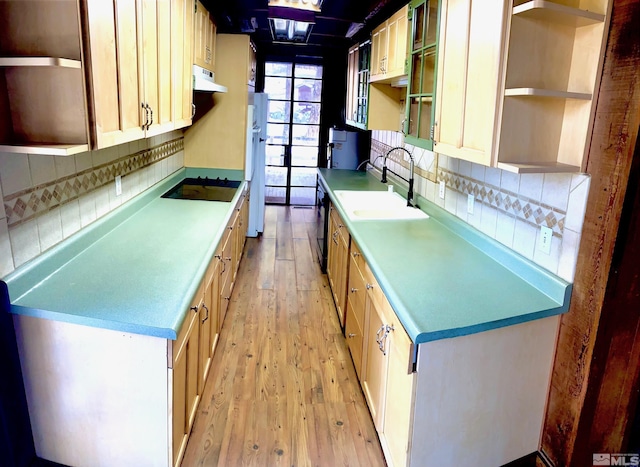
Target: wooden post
{"points": [[595, 376]]}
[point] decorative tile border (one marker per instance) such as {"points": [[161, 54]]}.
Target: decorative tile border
{"points": [[33, 202], [528, 210]]}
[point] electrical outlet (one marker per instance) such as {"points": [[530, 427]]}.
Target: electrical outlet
{"points": [[118, 185], [442, 188], [470, 202], [545, 239]]}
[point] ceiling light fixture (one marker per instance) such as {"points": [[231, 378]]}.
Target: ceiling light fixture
{"points": [[289, 22]]}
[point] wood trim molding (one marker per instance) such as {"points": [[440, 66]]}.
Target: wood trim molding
{"points": [[594, 380]]}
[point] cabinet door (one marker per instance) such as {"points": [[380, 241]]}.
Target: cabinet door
{"points": [[374, 377], [182, 36], [204, 361], [469, 77], [156, 65], [226, 277], [352, 84], [397, 43], [423, 57], [114, 79], [185, 382], [204, 35], [399, 393], [378, 52]]}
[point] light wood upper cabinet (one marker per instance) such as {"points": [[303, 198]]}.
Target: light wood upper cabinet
{"points": [[516, 84], [389, 47], [205, 38], [182, 48], [100, 73], [224, 126], [469, 66]]}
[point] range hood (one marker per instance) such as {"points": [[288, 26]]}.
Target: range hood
{"points": [[203, 81]]}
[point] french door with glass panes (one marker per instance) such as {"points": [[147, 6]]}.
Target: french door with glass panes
{"points": [[293, 131]]}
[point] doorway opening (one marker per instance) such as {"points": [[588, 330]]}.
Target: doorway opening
{"points": [[293, 132]]}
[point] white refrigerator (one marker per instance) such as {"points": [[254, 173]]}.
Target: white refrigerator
{"points": [[255, 162]]}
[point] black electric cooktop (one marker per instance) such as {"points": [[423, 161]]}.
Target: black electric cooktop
{"points": [[207, 189]]}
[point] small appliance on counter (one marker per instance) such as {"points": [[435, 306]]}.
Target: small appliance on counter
{"points": [[347, 149]]}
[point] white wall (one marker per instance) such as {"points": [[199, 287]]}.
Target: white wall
{"points": [[508, 207], [46, 199]]}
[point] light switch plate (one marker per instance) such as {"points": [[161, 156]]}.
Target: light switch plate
{"points": [[442, 188], [470, 202], [546, 234], [118, 185]]}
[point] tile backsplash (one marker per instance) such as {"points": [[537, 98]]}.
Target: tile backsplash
{"points": [[508, 207], [46, 199]]}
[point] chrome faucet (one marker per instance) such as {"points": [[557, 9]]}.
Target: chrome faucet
{"points": [[411, 169]]}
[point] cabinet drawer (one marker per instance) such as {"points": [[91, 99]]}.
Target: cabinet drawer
{"points": [[356, 256], [189, 320], [353, 332]]}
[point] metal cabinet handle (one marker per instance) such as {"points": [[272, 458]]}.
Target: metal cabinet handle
{"points": [[151, 122], [193, 111], [207, 315], [353, 290], [146, 113], [355, 254], [382, 340], [194, 309], [369, 286], [379, 336], [352, 335]]}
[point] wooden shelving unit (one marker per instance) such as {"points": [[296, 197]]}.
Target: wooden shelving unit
{"points": [[553, 60], [42, 89]]}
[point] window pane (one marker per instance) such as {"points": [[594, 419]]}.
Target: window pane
{"points": [[307, 90], [432, 23], [275, 176], [275, 195], [279, 111], [303, 177], [306, 135], [305, 156], [278, 69], [306, 113], [277, 133], [274, 155], [425, 119], [428, 72], [418, 27], [415, 73], [413, 116], [308, 71], [278, 88], [303, 196]]}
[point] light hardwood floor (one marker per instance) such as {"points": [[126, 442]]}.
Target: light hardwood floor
{"points": [[282, 389]]}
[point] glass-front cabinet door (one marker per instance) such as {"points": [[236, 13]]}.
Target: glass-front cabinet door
{"points": [[423, 56]]}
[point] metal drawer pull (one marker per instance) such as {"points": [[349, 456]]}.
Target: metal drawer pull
{"points": [[351, 335], [369, 286], [207, 315], [356, 254], [194, 309], [353, 290]]}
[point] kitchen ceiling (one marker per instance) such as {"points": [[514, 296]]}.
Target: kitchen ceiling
{"points": [[329, 33]]}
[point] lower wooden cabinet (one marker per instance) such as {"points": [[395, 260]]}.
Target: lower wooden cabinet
{"points": [[338, 262], [381, 351], [185, 374]]}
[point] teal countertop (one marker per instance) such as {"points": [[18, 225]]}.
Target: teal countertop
{"points": [[442, 277], [135, 270]]}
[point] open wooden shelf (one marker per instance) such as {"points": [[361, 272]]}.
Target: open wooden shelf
{"points": [[556, 13], [40, 62], [537, 167], [45, 149], [537, 92]]}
